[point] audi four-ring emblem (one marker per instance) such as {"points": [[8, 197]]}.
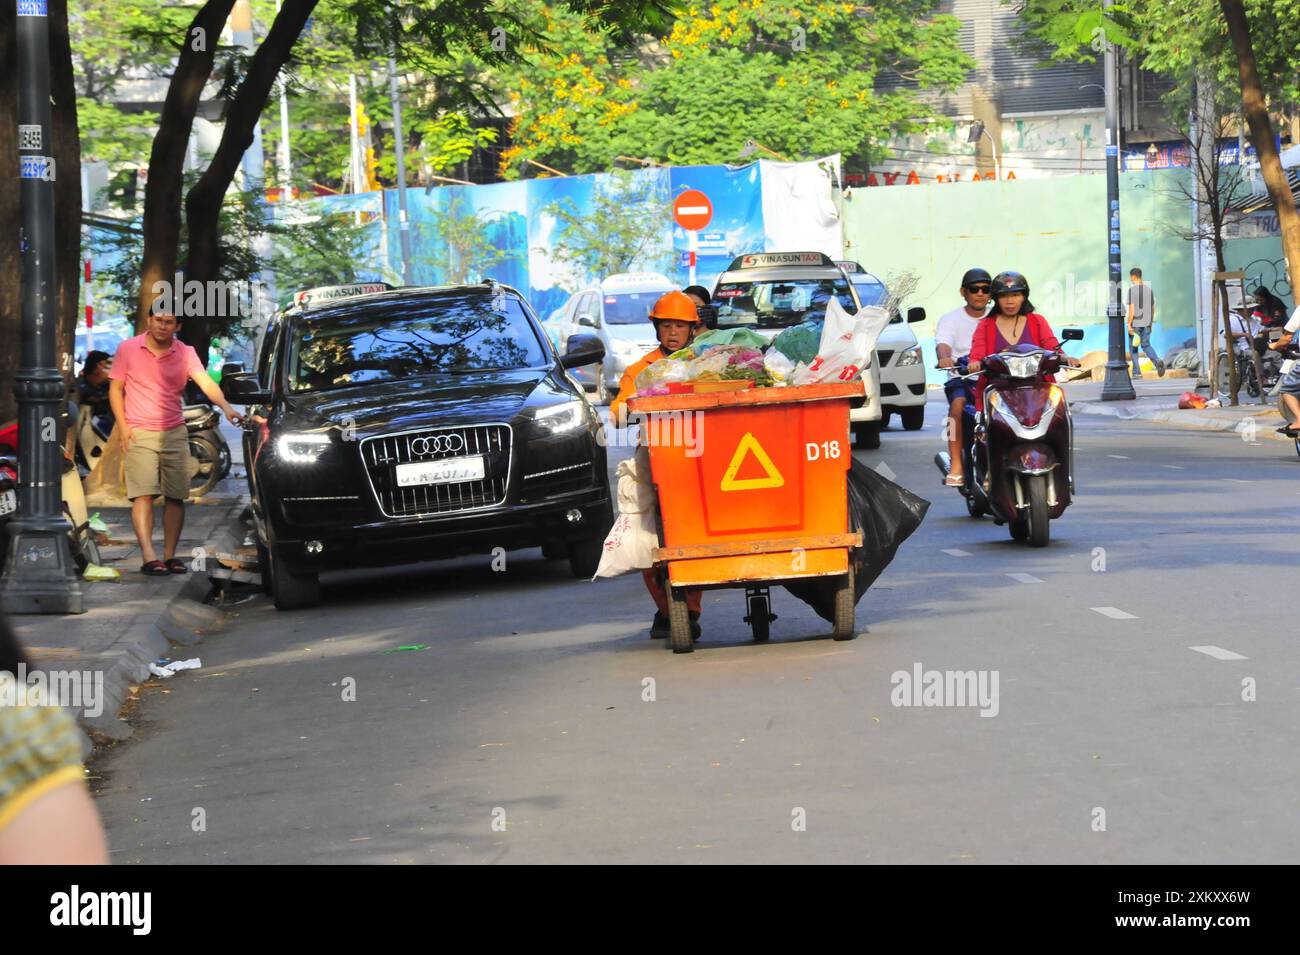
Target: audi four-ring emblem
{"points": [[437, 444]]}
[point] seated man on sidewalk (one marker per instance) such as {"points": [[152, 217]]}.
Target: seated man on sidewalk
{"points": [[148, 379]]}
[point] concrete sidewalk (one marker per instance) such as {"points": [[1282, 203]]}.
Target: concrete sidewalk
{"points": [[1157, 400], [134, 621]]}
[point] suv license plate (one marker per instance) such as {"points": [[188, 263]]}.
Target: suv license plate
{"points": [[446, 471], [8, 502]]}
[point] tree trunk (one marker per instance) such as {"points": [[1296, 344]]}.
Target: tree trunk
{"points": [[1261, 134], [162, 191], [11, 266], [203, 204]]}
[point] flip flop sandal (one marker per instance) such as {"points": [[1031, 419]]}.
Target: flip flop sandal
{"points": [[953, 480], [175, 565], [154, 568]]}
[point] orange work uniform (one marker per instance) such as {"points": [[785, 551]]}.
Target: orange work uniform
{"points": [[617, 409]]}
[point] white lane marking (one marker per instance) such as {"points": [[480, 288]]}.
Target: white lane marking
{"points": [[954, 552], [1174, 467], [1238, 480], [1113, 612], [1026, 578], [1218, 653], [885, 471], [1118, 457]]}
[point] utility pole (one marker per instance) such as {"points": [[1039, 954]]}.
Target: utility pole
{"points": [[403, 222], [1117, 386], [40, 576]]}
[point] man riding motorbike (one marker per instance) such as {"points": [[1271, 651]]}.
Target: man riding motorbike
{"points": [[1012, 322], [676, 323], [952, 338]]}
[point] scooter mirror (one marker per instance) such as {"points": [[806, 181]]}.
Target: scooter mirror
{"points": [[1072, 334]]}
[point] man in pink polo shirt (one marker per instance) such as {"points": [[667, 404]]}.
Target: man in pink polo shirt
{"points": [[146, 385]]}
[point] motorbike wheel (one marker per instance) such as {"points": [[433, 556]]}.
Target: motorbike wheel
{"points": [[207, 457], [223, 458], [1040, 521]]}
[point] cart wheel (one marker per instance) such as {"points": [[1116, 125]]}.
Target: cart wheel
{"points": [[845, 609], [760, 615], [679, 623]]}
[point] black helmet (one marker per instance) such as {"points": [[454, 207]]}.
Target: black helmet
{"points": [[1004, 283], [974, 275]]}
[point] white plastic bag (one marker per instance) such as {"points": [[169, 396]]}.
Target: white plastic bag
{"points": [[630, 543], [847, 344]]}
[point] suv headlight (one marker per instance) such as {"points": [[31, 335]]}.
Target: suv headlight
{"points": [[301, 448], [909, 356], [557, 419]]}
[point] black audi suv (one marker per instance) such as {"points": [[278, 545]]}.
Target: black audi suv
{"points": [[414, 424]]}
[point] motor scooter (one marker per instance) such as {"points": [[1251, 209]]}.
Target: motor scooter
{"points": [[1018, 450]]}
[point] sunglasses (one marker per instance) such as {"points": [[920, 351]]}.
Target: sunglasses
{"points": [[979, 289]]}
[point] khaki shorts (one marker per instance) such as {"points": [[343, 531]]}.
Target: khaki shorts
{"points": [[158, 462]]}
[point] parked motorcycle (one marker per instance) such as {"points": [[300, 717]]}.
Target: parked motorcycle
{"points": [[81, 538], [209, 453], [1018, 451], [1290, 356]]}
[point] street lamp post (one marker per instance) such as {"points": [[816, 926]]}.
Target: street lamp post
{"points": [[1116, 386], [39, 575], [978, 129]]}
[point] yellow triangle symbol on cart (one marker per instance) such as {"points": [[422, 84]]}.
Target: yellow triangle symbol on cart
{"points": [[749, 444]]}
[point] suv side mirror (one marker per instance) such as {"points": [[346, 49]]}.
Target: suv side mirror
{"points": [[582, 350], [588, 320], [242, 388], [916, 314], [1072, 334]]}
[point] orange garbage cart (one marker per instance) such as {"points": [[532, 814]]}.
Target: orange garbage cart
{"points": [[752, 491]]}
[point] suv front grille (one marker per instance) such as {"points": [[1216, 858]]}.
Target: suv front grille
{"points": [[884, 354], [381, 456]]}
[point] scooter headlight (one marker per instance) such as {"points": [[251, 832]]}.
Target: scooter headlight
{"points": [[1022, 366]]}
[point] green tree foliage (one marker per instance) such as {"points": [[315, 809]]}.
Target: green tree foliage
{"points": [[617, 233], [799, 76], [461, 251], [1175, 39]]}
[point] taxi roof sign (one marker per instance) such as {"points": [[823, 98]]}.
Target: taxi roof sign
{"points": [[763, 260], [331, 293], [849, 266]]}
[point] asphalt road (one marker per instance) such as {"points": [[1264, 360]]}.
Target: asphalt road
{"points": [[521, 734]]}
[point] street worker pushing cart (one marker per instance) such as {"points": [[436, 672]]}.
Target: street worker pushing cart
{"points": [[676, 324]]}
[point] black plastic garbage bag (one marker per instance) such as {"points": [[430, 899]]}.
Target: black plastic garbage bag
{"points": [[887, 515]]}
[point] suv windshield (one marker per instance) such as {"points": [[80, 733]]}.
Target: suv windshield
{"points": [[778, 304], [384, 341], [871, 291], [630, 308]]}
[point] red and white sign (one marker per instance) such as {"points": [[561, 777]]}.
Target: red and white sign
{"points": [[692, 210]]}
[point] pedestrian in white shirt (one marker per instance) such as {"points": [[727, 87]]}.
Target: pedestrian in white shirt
{"points": [[952, 337]]}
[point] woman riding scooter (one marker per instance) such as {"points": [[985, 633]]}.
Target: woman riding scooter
{"points": [[1012, 322]]}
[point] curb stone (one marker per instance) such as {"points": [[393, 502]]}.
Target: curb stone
{"points": [[1177, 417], [184, 620]]}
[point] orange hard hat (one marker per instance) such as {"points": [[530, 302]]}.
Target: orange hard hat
{"points": [[676, 307]]}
